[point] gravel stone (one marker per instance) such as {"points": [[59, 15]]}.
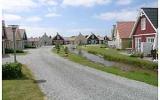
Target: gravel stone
{"points": [[61, 79]]}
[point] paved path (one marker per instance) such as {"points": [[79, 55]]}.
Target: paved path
{"points": [[66, 80]]}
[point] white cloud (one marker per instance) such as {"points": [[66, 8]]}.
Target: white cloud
{"points": [[48, 2], [11, 17], [18, 5], [52, 15], [85, 3], [118, 15], [34, 19], [124, 2]]}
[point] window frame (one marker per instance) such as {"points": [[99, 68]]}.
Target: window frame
{"points": [[143, 23]]}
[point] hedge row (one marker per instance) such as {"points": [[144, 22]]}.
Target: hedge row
{"points": [[28, 46], [12, 51], [11, 71], [128, 60]]}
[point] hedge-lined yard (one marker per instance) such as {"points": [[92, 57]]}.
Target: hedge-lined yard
{"points": [[114, 55], [18, 83]]}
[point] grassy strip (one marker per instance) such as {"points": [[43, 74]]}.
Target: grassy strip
{"points": [[142, 75], [22, 89], [114, 55]]}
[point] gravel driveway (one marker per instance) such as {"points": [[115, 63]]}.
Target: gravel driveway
{"points": [[61, 79]]}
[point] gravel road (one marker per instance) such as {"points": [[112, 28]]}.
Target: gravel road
{"points": [[61, 79]]}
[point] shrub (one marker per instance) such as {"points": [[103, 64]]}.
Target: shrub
{"points": [[92, 52], [11, 70], [66, 50], [57, 46], [28, 46], [135, 55], [12, 51]]}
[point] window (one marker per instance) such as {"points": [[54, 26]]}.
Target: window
{"points": [[150, 39], [58, 37], [143, 24]]}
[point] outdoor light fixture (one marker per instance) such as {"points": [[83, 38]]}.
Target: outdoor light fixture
{"points": [[14, 28]]}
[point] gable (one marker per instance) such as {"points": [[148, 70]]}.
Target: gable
{"points": [[58, 37], [149, 29], [93, 37], [124, 28], [152, 14]]}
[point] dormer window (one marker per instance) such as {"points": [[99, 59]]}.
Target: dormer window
{"points": [[143, 24]]}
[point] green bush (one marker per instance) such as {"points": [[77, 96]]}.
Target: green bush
{"points": [[66, 50], [28, 46], [135, 55], [12, 51], [92, 52], [11, 71]]}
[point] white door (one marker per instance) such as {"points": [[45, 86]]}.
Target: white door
{"points": [[138, 44]]}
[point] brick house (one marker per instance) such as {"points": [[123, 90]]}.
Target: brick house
{"points": [[145, 30]]}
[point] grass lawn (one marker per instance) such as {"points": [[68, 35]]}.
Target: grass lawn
{"points": [[114, 55], [22, 89], [147, 76]]}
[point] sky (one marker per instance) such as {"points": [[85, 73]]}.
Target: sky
{"points": [[69, 17]]}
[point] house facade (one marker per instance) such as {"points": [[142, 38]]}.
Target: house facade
{"points": [[145, 30], [101, 39], [106, 39], [58, 39], [80, 40], [92, 39], [9, 41], [33, 42], [121, 35], [45, 40], [23, 37]]}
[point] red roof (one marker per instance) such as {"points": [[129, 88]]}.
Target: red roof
{"points": [[125, 28]]}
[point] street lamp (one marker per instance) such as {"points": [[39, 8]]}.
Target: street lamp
{"points": [[14, 27]]}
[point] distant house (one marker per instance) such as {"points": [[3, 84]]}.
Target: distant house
{"points": [[101, 39], [80, 40], [58, 39], [33, 42], [23, 37], [71, 40], [92, 39], [9, 42], [144, 33], [121, 34], [4, 37], [106, 39], [45, 40]]}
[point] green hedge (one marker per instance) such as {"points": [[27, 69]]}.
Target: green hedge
{"points": [[128, 60], [28, 46], [11, 71], [12, 51], [135, 62]]}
